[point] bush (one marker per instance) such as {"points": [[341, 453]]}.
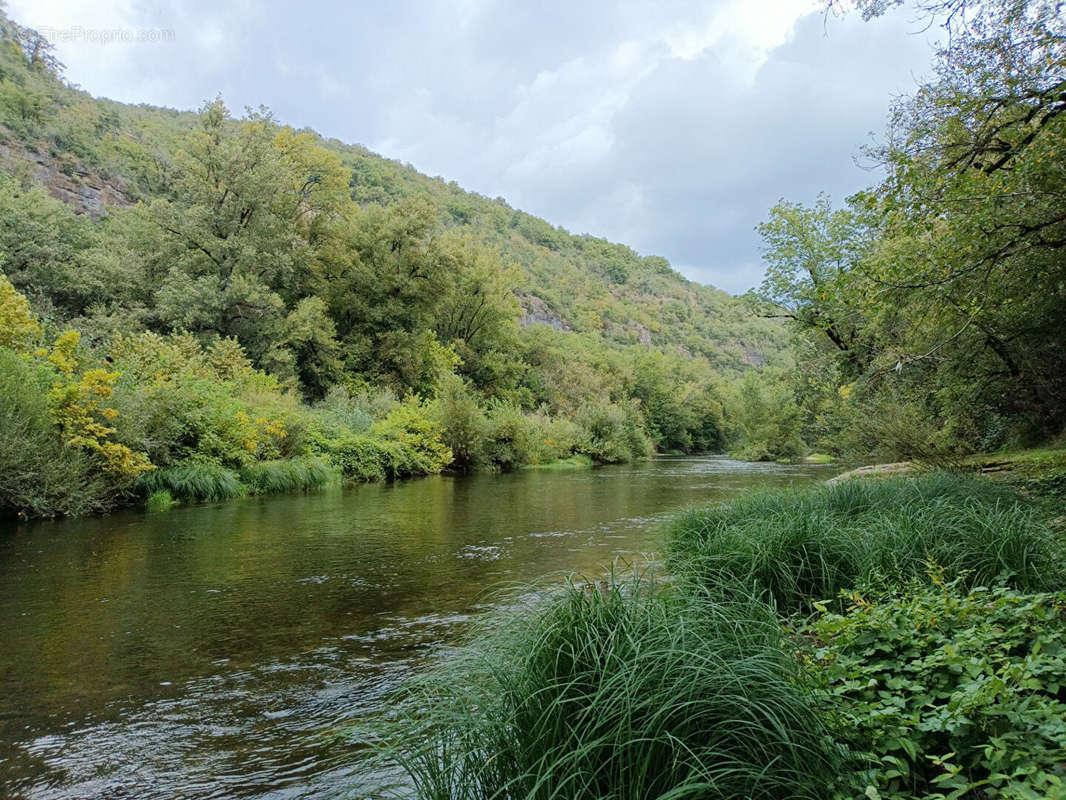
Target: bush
{"points": [[194, 481], [765, 418], [339, 410], [464, 426], [612, 434], [419, 436], [941, 692], [292, 475], [798, 546], [40, 475], [621, 690], [511, 437]]}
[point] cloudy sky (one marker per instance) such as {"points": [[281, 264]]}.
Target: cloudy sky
{"points": [[671, 126]]}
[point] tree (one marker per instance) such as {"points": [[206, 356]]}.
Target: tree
{"points": [[811, 257], [244, 220], [973, 215]]}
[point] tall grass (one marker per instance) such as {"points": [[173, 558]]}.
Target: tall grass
{"points": [[799, 546], [194, 481], [291, 475], [622, 691]]}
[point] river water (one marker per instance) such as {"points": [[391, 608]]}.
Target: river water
{"points": [[227, 651]]}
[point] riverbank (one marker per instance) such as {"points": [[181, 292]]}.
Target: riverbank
{"points": [[191, 694], [802, 634]]}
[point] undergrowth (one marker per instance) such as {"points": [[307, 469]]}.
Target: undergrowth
{"points": [[622, 690], [798, 546]]}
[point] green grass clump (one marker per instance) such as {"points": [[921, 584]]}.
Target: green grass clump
{"points": [[289, 475], [574, 462], [193, 481], [161, 500], [797, 546], [621, 691]]}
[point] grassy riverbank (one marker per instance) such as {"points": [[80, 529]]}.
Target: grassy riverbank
{"points": [[892, 638]]}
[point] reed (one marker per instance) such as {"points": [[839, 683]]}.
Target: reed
{"points": [[624, 690], [194, 481], [290, 475], [795, 547]]}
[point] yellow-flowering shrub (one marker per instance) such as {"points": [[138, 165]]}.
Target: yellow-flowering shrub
{"points": [[78, 402], [19, 328]]}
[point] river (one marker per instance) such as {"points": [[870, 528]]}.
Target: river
{"points": [[227, 651]]}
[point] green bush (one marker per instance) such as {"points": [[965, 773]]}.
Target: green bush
{"points": [[802, 545], [41, 476], [621, 690], [357, 456], [194, 481], [511, 437], [292, 475], [464, 426], [612, 434], [940, 692], [415, 439], [339, 410], [764, 418]]}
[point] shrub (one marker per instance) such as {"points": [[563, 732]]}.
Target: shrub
{"points": [[194, 481], [621, 690], [19, 329], [941, 692], [40, 475], [464, 426], [511, 437], [421, 450], [802, 545], [339, 410], [291, 475], [612, 434], [765, 418]]}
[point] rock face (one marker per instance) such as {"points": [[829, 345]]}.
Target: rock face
{"points": [[753, 357], [538, 313], [83, 190]]}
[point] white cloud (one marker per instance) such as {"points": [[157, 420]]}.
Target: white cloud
{"points": [[671, 126]]}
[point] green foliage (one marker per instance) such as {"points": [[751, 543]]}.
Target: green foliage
{"points": [[40, 475], [411, 424], [612, 434], [464, 425], [800, 547], [194, 481], [941, 692], [290, 475], [161, 500], [19, 329], [939, 292], [618, 690], [764, 419]]}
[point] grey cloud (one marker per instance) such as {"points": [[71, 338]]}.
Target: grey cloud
{"points": [[542, 103]]}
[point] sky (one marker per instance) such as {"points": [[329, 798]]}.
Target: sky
{"points": [[670, 126]]}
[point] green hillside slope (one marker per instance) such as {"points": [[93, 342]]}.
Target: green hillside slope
{"points": [[139, 245]]}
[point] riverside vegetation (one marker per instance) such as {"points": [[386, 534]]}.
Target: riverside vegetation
{"points": [[879, 638], [197, 307], [263, 310]]}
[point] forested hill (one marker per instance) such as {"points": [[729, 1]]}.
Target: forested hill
{"points": [[97, 154], [194, 305]]}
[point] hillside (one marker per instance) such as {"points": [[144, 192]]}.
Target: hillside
{"points": [[96, 154], [190, 296]]}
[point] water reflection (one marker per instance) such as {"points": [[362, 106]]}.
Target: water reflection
{"points": [[217, 651]]}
